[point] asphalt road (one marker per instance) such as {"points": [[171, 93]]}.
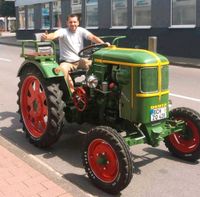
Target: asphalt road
{"points": [[184, 87], [156, 172]]}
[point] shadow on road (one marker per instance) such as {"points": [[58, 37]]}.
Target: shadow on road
{"points": [[84, 183], [151, 154]]}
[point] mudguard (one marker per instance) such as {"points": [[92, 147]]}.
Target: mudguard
{"points": [[46, 68]]}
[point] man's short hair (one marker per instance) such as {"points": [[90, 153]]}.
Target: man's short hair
{"points": [[73, 15]]}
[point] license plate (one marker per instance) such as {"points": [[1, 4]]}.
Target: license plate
{"points": [[158, 113]]}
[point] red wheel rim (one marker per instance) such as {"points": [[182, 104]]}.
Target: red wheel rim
{"points": [[186, 145], [103, 160], [34, 106]]}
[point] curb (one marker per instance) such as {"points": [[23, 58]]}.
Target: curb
{"points": [[184, 64], [10, 44]]}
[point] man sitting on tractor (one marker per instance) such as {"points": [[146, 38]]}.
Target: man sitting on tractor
{"points": [[71, 42]]}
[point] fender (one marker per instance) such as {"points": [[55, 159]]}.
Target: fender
{"points": [[46, 68]]}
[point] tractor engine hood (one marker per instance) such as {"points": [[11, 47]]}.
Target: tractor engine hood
{"points": [[129, 57]]}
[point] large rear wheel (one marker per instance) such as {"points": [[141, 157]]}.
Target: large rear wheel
{"points": [[41, 107], [107, 159], [185, 144]]}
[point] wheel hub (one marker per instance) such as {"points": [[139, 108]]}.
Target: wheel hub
{"points": [[102, 160], [35, 105]]}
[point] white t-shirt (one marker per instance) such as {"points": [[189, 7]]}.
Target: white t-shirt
{"points": [[70, 43]]}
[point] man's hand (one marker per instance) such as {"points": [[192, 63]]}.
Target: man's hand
{"points": [[44, 36], [50, 36], [108, 44]]}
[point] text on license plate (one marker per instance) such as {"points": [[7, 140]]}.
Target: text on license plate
{"points": [[158, 113]]}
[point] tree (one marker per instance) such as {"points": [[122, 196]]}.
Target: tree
{"points": [[7, 8]]}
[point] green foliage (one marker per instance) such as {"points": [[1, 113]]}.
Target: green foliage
{"points": [[7, 8]]}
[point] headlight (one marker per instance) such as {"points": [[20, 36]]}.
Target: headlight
{"points": [[92, 81]]}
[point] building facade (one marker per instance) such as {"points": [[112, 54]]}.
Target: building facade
{"points": [[175, 23]]}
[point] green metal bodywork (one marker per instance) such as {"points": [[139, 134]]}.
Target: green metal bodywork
{"points": [[46, 67], [127, 55], [140, 92]]}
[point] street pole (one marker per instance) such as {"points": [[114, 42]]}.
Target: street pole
{"points": [[152, 43]]}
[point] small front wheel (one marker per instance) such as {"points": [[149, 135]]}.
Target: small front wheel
{"points": [[107, 159], [185, 144]]}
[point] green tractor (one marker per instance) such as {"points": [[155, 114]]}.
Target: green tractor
{"points": [[124, 93]]}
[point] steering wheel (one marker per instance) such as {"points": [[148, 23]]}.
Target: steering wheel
{"points": [[89, 50]]}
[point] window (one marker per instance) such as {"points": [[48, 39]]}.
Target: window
{"points": [[119, 12], [31, 17], [141, 12], [92, 13], [45, 16], [21, 18], [76, 7], [183, 12], [57, 14]]}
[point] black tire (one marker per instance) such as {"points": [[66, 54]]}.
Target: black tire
{"points": [[41, 107], [185, 144], [107, 160]]}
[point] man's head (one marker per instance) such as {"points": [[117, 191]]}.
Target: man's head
{"points": [[72, 22]]}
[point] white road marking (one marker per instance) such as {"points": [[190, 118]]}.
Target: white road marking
{"points": [[5, 60], [185, 97]]}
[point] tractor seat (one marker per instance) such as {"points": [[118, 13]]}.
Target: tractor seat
{"points": [[35, 54]]}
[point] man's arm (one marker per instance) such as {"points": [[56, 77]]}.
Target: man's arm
{"points": [[95, 39], [50, 36]]}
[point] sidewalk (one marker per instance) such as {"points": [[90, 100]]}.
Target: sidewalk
{"points": [[185, 62], [10, 39], [19, 179]]}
